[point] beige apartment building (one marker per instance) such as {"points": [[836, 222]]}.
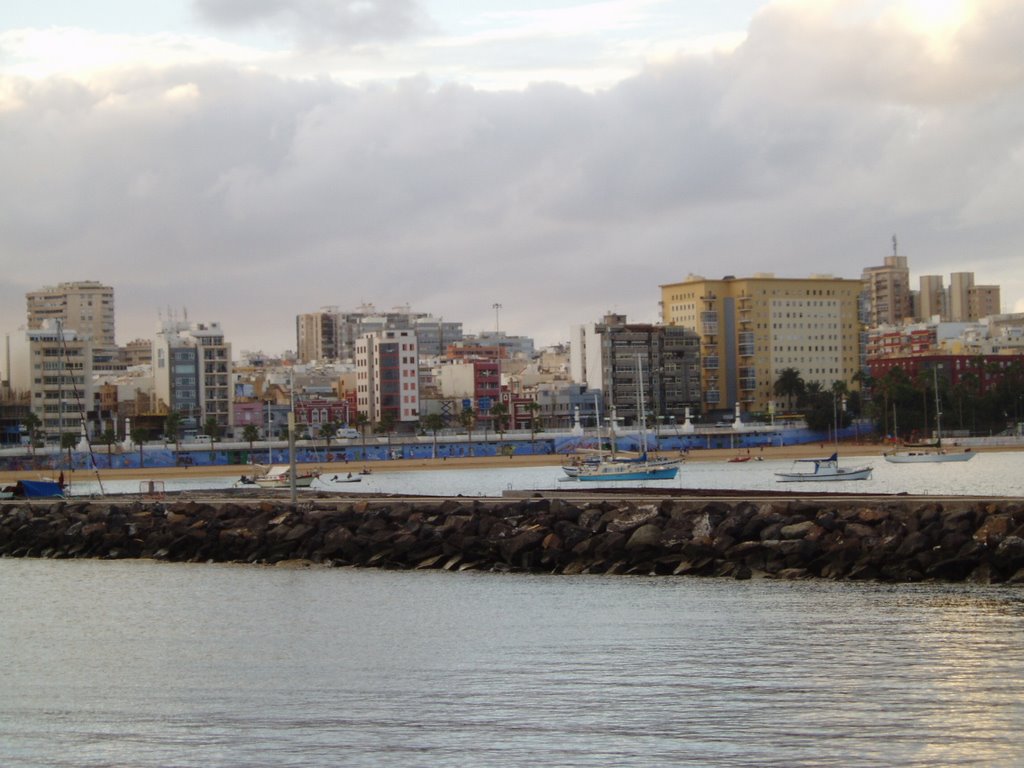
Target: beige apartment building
{"points": [[753, 328], [84, 307], [887, 289]]}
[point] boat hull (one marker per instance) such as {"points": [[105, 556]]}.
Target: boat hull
{"points": [[623, 470], [861, 473], [927, 458]]}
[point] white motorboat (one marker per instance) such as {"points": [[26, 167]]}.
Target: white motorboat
{"points": [[825, 470]]}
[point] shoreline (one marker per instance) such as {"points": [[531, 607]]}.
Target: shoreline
{"points": [[777, 453]]}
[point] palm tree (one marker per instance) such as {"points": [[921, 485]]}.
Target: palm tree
{"points": [[790, 385], [499, 412], [108, 437], [468, 420], [533, 407], [138, 436], [250, 433], [67, 442], [326, 431], [362, 421], [33, 426], [434, 423], [213, 429], [386, 426], [172, 429]]}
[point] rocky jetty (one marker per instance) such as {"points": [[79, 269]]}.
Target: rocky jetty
{"points": [[888, 540]]}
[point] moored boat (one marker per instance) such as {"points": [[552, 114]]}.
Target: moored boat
{"points": [[824, 470]]}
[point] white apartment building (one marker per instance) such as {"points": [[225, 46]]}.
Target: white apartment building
{"points": [[192, 373], [387, 376], [54, 364]]}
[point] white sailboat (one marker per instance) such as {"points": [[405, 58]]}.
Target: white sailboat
{"points": [[932, 453], [612, 467]]}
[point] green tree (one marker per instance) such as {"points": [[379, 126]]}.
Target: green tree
{"points": [[326, 432], [33, 427], [108, 437], [250, 433], [172, 428], [386, 426], [433, 423], [533, 408], [467, 420], [362, 421], [68, 440], [499, 412], [138, 436], [790, 385]]}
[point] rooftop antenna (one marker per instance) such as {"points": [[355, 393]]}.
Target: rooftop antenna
{"points": [[497, 309], [894, 251]]}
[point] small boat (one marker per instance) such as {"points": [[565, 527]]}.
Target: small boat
{"points": [[825, 470], [926, 456], [930, 452], [739, 459], [349, 478], [279, 476], [641, 468]]}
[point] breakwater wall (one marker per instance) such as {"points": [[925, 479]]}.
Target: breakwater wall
{"points": [[887, 540]]}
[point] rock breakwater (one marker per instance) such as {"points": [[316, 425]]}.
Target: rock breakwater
{"points": [[897, 540]]}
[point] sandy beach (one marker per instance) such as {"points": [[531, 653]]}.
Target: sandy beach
{"points": [[404, 465]]}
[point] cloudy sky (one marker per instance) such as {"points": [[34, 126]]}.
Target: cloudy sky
{"points": [[249, 160]]}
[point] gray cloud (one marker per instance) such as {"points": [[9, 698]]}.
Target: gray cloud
{"points": [[250, 198], [320, 22]]}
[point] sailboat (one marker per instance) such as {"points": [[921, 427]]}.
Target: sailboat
{"points": [[928, 453], [612, 467]]}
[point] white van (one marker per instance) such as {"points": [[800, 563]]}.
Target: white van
{"points": [[347, 433]]}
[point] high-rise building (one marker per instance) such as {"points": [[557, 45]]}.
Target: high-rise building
{"points": [[982, 301], [192, 373], [60, 384], [84, 307], [887, 289], [619, 358], [332, 334], [931, 298], [751, 329], [387, 371], [960, 285], [316, 337]]}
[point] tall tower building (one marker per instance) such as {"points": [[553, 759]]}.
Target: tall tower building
{"points": [[751, 329], [84, 307], [960, 285], [608, 356], [192, 372], [387, 374], [982, 301], [887, 289], [932, 295]]}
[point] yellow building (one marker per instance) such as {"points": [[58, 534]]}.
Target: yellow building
{"points": [[751, 329]]}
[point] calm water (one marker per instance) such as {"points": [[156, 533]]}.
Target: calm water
{"points": [[1000, 474], [146, 664]]}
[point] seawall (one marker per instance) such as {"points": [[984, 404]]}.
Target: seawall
{"points": [[893, 540]]}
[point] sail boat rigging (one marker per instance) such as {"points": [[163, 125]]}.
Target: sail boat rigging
{"points": [[612, 467], [928, 453]]}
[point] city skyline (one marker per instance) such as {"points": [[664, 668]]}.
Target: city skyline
{"points": [[253, 166]]}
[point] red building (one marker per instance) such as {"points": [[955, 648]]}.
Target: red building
{"points": [[987, 370]]}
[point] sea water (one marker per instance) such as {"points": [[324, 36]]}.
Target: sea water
{"points": [[997, 474], [145, 664]]}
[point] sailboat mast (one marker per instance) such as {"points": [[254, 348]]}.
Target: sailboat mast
{"points": [[640, 405], [938, 410]]}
